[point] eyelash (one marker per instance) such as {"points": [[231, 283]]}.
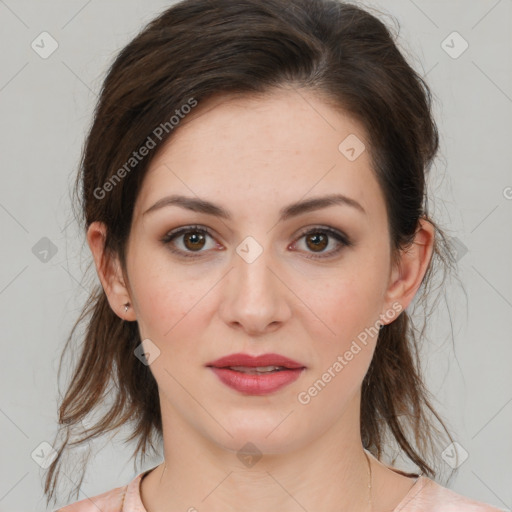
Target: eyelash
{"points": [[342, 239]]}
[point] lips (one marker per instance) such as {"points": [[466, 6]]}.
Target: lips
{"points": [[241, 361], [256, 375]]}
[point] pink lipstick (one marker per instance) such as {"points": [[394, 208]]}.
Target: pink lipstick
{"points": [[256, 375]]}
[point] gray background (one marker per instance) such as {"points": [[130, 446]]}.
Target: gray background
{"points": [[46, 106]]}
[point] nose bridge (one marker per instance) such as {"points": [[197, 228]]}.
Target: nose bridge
{"points": [[253, 275], [256, 297]]}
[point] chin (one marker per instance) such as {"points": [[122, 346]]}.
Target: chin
{"points": [[265, 436]]}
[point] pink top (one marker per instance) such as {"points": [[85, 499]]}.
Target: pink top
{"points": [[425, 495]]}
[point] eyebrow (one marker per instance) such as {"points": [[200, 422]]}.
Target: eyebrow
{"points": [[292, 210]]}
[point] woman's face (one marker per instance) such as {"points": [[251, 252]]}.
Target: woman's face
{"points": [[256, 283]]}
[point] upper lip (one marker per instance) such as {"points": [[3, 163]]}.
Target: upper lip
{"points": [[249, 361]]}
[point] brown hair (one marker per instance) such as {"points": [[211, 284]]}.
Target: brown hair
{"points": [[198, 49]]}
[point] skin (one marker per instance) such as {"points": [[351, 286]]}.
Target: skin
{"points": [[253, 156]]}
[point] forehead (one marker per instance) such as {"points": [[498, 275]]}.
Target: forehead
{"points": [[267, 148]]}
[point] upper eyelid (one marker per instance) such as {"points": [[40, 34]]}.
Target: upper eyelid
{"points": [[199, 227]]}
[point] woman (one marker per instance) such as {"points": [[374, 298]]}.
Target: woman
{"points": [[254, 198]]}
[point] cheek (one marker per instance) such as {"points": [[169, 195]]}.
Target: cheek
{"points": [[344, 345], [169, 305], [175, 321], [175, 307], [344, 311], [344, 305]]}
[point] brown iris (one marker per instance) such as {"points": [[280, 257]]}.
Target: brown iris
{"points": [[195, 238], [320, 240]]}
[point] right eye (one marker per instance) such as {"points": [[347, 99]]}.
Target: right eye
{"points": [[193, 240]]}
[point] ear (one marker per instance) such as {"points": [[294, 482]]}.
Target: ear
{"points": [[109, 272], [407, 275]]}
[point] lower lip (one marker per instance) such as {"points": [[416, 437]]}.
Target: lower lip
{"points": [[253, 384]]}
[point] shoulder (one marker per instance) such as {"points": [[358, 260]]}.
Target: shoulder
{"points": [[121, 499], [109, 501], [428, 495]]}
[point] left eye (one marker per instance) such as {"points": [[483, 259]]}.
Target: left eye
{"points": [[318, 240], [194, 240]]}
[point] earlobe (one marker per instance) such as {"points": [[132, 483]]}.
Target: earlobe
{"points": [[109, 272], [407, 276]]}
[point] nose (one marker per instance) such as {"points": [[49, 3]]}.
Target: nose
{"points": [[256, 298]]}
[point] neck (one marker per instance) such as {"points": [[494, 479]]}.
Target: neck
{"points": [[329, 473]]}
